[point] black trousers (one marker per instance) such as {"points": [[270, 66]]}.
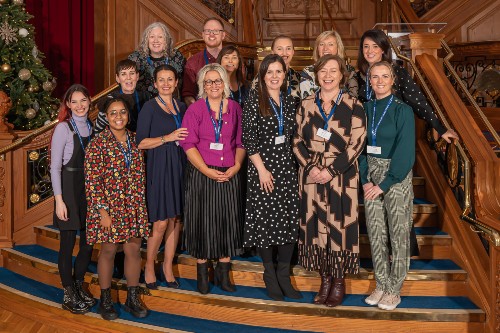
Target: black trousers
{"points": [[82, 261]]}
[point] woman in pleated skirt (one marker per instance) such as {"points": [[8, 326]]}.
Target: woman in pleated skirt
{"points": [[213, 210]]}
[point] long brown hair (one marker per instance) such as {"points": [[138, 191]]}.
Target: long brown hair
{"points": [[264, 106]]}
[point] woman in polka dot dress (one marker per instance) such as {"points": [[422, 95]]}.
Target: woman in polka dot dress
{"points": [[271, 220]]}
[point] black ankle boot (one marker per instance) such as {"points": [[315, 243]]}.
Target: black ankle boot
{"points": [[134, 304], [271, 281], [106, 308], [72, 301], [202, 277], [84, 295], [283, 275], [221, 276]]}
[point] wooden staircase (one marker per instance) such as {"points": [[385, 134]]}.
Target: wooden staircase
{"points": [[433, 283]]}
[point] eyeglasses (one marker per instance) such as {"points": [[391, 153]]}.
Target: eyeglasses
{"points": [[211, 31], [209, 82], [114, 113]]}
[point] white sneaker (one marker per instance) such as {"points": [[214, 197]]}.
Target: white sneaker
{"points": [[389, 302], [375, 297]]}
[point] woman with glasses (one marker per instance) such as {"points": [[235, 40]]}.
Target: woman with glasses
{"points": [[159, 132], [213, 210], [155, 49], [115, 187]]}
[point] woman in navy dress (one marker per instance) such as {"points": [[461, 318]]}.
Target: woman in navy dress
{"points": [[159, 131]]}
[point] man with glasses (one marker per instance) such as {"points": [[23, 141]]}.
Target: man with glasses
{"points": [[213, 34]]}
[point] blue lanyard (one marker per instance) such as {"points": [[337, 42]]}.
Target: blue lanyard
{"points": [[136, 97], [150, 62], [239, 94], [375, 128], [279, 116], [368, 87], [205, 55], [217, 127], [289, 78], [72, 121], [126, 154], [177, 115], [332, 111]]}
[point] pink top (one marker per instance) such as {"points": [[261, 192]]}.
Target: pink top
{"points": [[202, 134]]}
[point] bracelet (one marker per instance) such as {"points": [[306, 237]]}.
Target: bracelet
{"points": [[162, 139]]}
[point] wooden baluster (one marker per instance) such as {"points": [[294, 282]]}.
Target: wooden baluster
{"points": [[6, 209]]}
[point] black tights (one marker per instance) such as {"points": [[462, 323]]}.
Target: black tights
{"points": [[285, 253], [132, 265], [64, 262]]}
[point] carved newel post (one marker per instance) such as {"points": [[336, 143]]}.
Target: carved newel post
{"points": [[6, 181]]}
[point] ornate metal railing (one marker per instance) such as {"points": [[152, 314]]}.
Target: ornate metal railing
{"points": [[224, 8], [464, 91]]}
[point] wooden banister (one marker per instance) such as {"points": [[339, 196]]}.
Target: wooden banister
{"points": [[486, 164]]}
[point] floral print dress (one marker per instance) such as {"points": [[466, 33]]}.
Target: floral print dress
{"points": [[109, 184]]}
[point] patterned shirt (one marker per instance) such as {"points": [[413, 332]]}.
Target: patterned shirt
{"points": [[147, 65], [202, 133]]}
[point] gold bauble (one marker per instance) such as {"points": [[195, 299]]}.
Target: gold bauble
{"points": [[38, 60], [36, 88], [31, 89], [24, 74], [18, 2], [30, 113], [47, 86], [6, 67]]}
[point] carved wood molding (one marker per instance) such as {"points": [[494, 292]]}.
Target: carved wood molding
{"points": [[486, 165]]}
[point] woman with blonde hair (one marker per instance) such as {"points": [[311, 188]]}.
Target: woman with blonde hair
{"points": [[156, 48], [327, 42], [213, 209]]}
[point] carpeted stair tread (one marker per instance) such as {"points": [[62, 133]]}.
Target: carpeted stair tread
{"points": [[155, 318]]}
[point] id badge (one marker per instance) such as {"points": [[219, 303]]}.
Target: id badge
{"points": [[216, 146], [374, 150], [279, 140], [323, 133]]}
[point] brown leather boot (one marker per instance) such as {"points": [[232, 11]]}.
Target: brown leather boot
{"points": [[336, 294], [324, 289]]}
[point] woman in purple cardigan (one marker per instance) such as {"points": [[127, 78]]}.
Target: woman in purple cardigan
{"points": [[213, 210]]}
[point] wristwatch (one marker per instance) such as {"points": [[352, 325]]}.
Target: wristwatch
{"points": [[162, 139]]}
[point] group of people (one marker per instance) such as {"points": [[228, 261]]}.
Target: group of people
{"points": [[154, 165]]}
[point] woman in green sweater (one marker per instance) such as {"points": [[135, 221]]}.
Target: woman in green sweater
{"points": [[386, 176]]}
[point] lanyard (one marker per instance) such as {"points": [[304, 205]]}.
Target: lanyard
{"points": [[72, 121], [375, 128], [332, 111], [126, 154], [150, 62], [289, 78], [136, 97], [217, 127], [177, 115], [279, 116], [239, 94], [205, 55]]}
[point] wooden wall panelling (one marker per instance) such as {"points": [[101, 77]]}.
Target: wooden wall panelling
{"points": [[484, 26]]}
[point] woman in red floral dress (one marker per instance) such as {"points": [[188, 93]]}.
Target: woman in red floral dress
{"points": [[115, 187]]}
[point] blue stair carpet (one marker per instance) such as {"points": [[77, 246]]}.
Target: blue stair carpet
{"points": [[426, 302], [154, 318]]}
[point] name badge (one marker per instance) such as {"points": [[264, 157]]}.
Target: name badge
{"points": [[216, 146], [323, 133], [374, 150], [279, 140]]}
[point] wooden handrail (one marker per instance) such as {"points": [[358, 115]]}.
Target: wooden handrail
{"points": [[29, 137], [407, 13]]}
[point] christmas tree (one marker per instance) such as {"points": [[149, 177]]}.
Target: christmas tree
{"points": [[23, 77]]}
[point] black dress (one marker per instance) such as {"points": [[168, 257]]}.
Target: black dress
{"points": [[271, 218], [165, 164], [73, 187]]}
